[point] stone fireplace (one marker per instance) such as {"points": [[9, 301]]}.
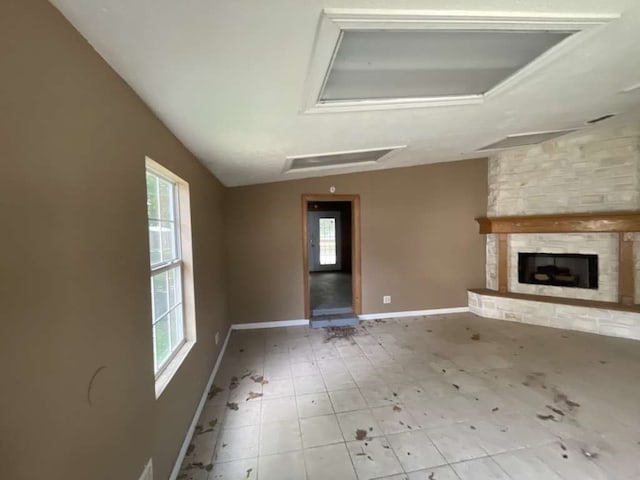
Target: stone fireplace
{"points": [[593, 172]]}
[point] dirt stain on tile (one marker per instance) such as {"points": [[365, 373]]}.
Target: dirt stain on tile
{"points": [[233, 384], [556, 410], [259, 379], [346, 333], [199, 466], [545, 417], [475, 336], [232, 405], [396, 408], [535, 379], [215, 390], [560, 397], [200, 429], [361, 434], [253, 395], [249, 472]]}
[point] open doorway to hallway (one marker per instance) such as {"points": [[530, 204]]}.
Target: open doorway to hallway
{"points": [[332, 273]]}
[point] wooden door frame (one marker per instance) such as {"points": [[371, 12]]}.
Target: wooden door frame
{"points": [[356, 279]]}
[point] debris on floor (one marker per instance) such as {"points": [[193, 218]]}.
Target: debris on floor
{"points": [[545, 417], [559, 397], [214, 391], [563, 383], [556, 410], [340, 332], [259, 379]]}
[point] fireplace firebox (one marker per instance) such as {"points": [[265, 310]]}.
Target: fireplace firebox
{"points": [[558, 269]]}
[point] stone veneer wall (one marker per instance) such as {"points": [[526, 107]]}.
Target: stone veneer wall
{"points": [[605, 245], [585, 319], [594, 171]]}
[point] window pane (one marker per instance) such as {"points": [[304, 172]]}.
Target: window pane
{"points": [[165, 190], [168, 238], [152, 195], [159, 292], [161, 341], [175, 324], [155, 242], [327, 241], [174, 286]]}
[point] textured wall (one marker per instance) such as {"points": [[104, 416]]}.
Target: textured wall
{"points": [[420, 243], [74, 274]]}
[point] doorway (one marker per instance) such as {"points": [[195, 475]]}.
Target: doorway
{"points": [[331, 251]]}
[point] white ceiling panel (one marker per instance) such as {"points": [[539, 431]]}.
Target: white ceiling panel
{"points": [[405, 64]]}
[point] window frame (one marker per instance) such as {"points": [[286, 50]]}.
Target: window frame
{"points": [[181, 263]]}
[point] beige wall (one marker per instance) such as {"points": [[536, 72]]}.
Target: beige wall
{"points": [[420, 243], [74, 288]]}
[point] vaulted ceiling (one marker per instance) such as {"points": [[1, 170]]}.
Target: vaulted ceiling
{"points": [[230, 78]]}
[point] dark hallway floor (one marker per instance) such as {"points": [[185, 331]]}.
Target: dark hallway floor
{"points": [[330, 291]]}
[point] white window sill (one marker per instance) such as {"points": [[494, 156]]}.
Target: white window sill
{"points": [[171, 369]]}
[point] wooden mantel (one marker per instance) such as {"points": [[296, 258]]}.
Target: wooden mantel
{"points": [[562, 223], [623, 223]]}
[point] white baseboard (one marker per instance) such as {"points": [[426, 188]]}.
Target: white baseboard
{"points": [[413, 313], [280, 323], [196, 416]]}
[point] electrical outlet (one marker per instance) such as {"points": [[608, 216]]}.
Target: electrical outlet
{"points": [[217, 337], [386, 299]]}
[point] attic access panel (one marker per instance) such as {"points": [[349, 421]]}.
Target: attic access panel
{"points": [[523, 139], [396, 64], [338, 159]]}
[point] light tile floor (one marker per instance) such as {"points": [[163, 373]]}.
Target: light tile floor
{"points": [[446, 397]]}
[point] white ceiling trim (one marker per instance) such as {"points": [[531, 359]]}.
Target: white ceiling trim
{"points": [[333, 22]]}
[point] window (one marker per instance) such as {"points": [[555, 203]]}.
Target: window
{"points": [[169, 234], [327, 241]]}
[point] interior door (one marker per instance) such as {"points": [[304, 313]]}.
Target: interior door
{"points": [[324, 239]]}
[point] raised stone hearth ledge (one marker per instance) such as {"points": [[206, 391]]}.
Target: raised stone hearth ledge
{"points": [[604, 318]]}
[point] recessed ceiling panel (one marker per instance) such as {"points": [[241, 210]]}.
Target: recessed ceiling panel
{"points": [[386, 64], [525, 139], [337, 159]]}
